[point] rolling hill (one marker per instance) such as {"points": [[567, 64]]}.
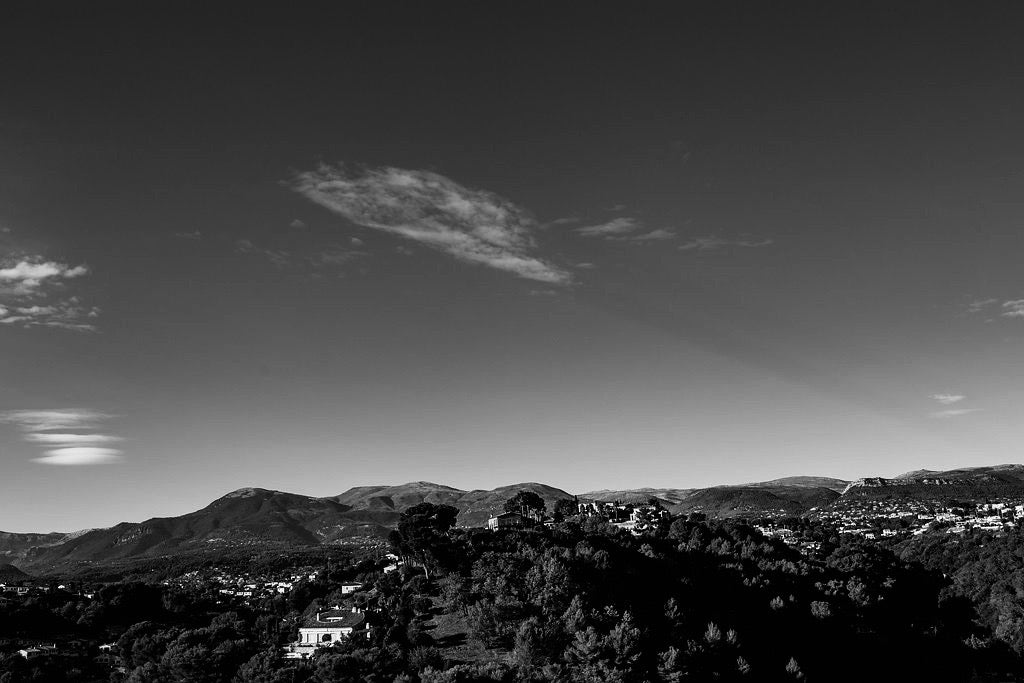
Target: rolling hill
{"points": [[790, 495], [260, 517], [966, 482], [11, 574], [752, 501], [14, 546]]}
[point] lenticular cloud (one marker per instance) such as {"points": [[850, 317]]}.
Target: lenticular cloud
{"points": [[80, 455], [471, 225]]}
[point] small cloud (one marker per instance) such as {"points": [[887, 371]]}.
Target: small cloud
{"points": [[356, 242], [28, 285], [654, 235], [567, 220], [711, 242], [278, 258], [297, 224], [625, 229], [947, 399], [954, 412], [68, 314], [980, 304], [614, 227], [586, 266], [80, 455], [470, 225], [79, 446], [335, 257], [615, 208], [194, 235], [405, 251], [27, 276]]}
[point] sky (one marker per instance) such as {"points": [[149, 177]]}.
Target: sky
{"points": [[596, 245]]}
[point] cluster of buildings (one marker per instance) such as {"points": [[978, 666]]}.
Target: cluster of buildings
{"points": [[241, 587], [105, 655], [630, 516], [886, 518]]}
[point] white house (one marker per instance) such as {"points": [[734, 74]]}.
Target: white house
{"points": [[325, 629]]}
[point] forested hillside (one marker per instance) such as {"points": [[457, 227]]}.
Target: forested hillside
{"points": [[580, 601]]}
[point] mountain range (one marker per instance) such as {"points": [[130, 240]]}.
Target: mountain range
{"points": [[258, 518]]}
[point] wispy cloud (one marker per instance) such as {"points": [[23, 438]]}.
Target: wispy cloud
{"points": [[475, 226], [1010, 308], [1013, 309], [625, 229], [947, 399], [654, 235], [979, 305], [614, 228], [68, 314], [195, 235], [954, 412], [330, 256], [63, 439], [68, 434], [277, 257], [712, 242]]}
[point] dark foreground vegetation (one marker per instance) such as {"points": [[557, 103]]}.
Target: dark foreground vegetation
{"points": [[580, 601]]}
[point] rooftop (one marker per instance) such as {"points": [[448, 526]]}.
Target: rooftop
{"points": [[335, 618]]}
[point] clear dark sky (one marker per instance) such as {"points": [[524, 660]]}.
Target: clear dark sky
{"points": [[594, 245]]}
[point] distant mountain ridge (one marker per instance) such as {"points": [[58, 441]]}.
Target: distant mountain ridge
{"points": [[988, 480], [260, 517]]}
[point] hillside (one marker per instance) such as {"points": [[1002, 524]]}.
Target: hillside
{"points": [[751, 501], [10, 574], [967, 482], [790, 495], [474, 506], [836, 485], [254, 517], [13, 546], [670, 498]]}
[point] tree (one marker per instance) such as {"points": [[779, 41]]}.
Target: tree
{"points": [[565, 507], [526, 503], [422, 533]]}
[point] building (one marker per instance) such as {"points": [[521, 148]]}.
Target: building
{"points": [[325, 629], [506, 520], [347, 588]]}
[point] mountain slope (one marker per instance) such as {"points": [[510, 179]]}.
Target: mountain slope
{"points": [[789, 495], [754, 501], [474, 506], [836, 485], [970, 482], [261, 517], [14, 546], [11, 574]]}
